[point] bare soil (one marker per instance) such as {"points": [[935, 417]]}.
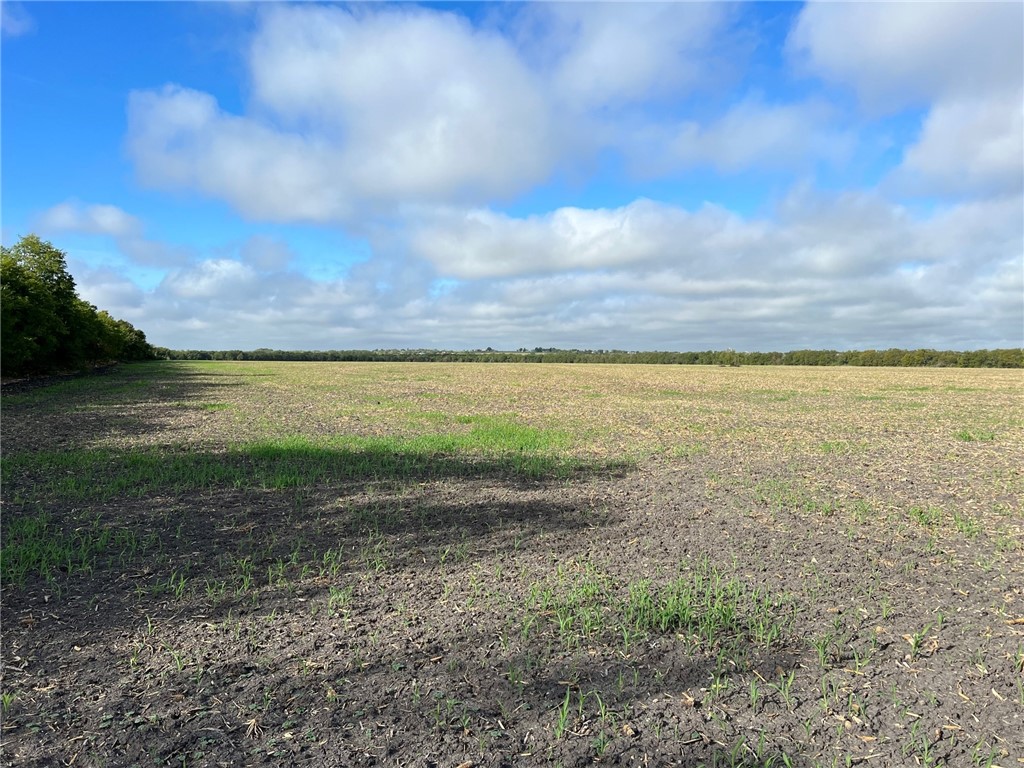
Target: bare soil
{"points": [[395, 620]]}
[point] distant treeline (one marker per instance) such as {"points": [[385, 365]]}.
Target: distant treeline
{"points": [[982, 358], [44, 325]]}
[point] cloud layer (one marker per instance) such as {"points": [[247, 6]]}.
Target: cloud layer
{"points": [[847, 271], [433, 135]]}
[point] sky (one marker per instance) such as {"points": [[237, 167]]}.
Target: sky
{"points": [[634, 176]]}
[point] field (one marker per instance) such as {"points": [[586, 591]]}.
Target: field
{"points": [[334, 564]]}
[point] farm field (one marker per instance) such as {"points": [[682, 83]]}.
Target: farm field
{"points": [[334, 564]]}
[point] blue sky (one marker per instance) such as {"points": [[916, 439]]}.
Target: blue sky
{"points": [[760, 176]]}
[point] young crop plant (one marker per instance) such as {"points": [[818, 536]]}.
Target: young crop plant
{"points": [[562, 714], [36, 545], [916, 641], [926, 516], [7, 699], [703, 605], [966, 524], [338, 599], [388, 562], [970, 436]]}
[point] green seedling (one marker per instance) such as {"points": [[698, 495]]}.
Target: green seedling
{"points": [[916, 641], [562, 715]]}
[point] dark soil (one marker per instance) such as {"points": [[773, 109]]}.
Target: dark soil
{"points": [[23, 384], [394, 621]]}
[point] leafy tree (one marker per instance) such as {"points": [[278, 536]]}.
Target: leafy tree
{"points": [[45, 326], [30, 326]]}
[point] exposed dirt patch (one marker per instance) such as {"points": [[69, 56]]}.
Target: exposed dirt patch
{"points": [[474, 616]]}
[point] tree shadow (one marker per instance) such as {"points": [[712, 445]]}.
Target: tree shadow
{"points": [[122, 401], [307, 604]]}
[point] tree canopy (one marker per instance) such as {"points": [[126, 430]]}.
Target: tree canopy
{"points": [[45, 326], [983, 358]]}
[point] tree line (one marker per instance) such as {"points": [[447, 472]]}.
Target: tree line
{"points": [[982, 358], [45, 326]]}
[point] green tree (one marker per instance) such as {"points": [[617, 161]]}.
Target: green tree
{"points": [[31, 328], [45, 325]]}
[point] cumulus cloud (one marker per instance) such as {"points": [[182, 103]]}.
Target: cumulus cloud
{"points": [[89, 219], [111, 221], [484, 243], [224, 303], [959, 60], [353, 111], [750, 134], [847, 270], [852, 236], [416, 126], [967, 146], [607, 55], [211, 279], [900, 54], [110, 290], [357, 112], [824, 265], [266, 253], [180, 138]]}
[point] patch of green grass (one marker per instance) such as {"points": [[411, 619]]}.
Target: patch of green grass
{"points": [[969, 436], [427, 417], [783, 494], [37, 546], [927, 516], [966, 524], [214, 406], [702, 603], [771, 395], [688, 450], [862, 510], [492, 446], [835, 446], [500, 434]]}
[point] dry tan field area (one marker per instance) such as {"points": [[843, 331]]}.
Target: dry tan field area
{"points": [[334, 564]]}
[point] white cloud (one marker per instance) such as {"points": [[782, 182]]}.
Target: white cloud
{"points": [[90, 219], [111, 221], [847, 270], [353, 112], [265, 253], [847, 237], [15, 21], [601, 55], [968, 146], [226, 304], [482, 243], [179, 138], [852, 269], [900, 54], [960, 60], [429, 106], [109, 290], [211, 279], [750, 134]]}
